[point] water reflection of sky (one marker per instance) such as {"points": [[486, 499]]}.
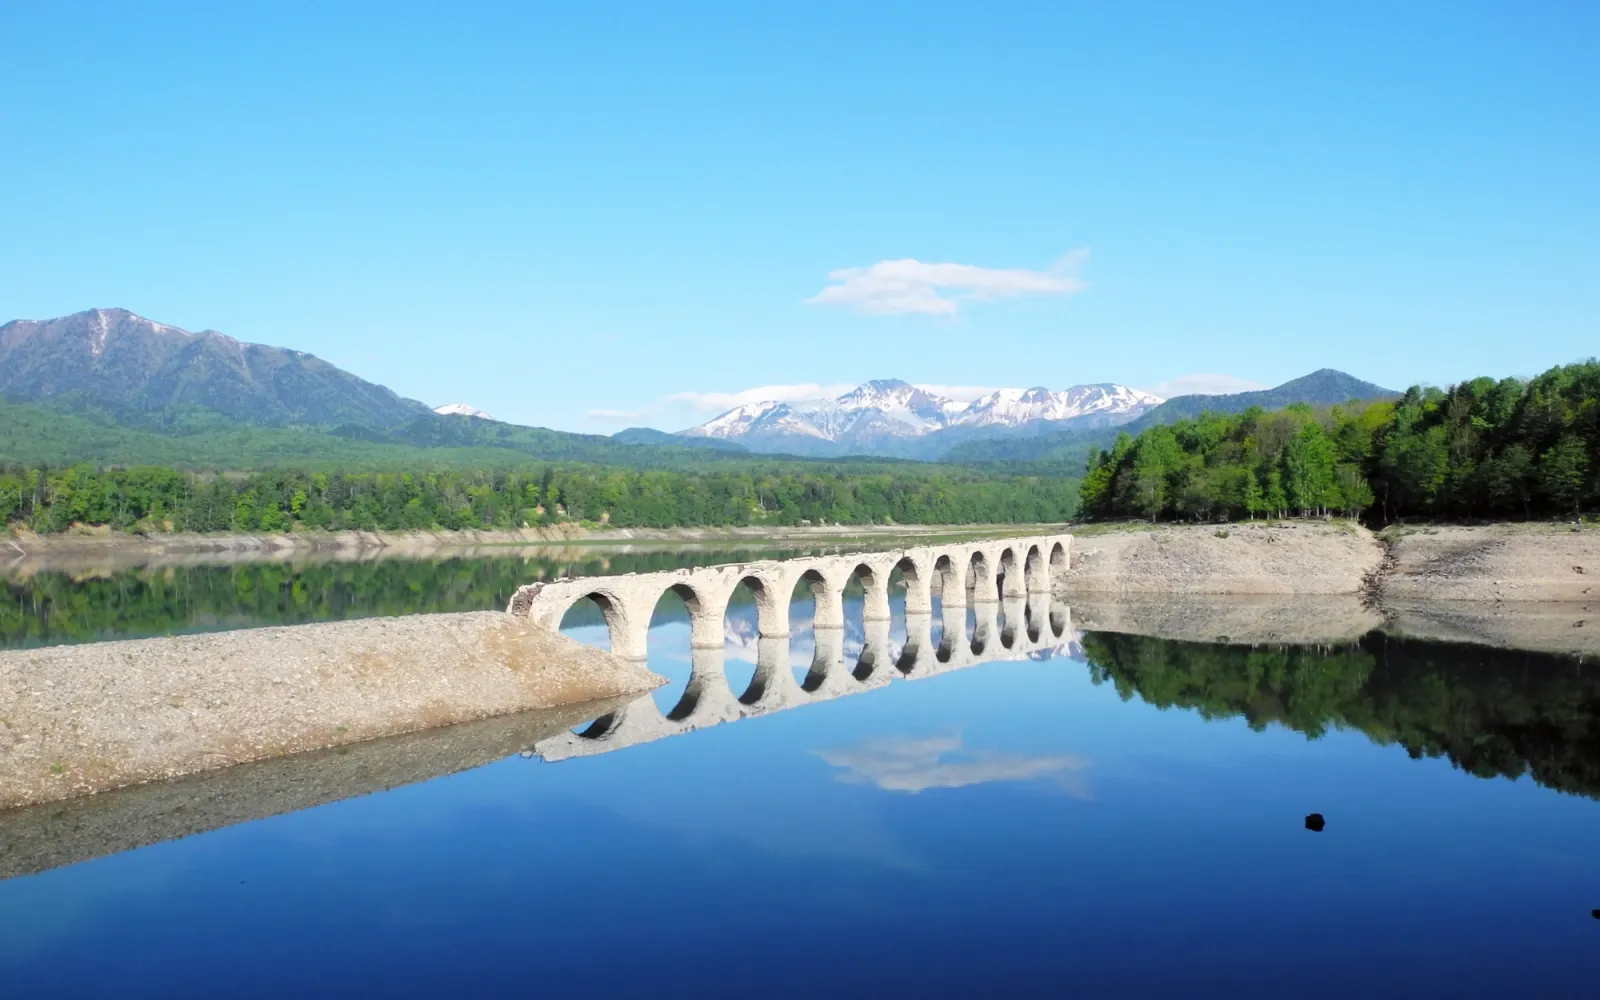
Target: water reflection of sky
{"points": [[1009, 828]]}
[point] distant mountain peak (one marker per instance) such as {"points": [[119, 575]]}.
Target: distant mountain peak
{"points": [[461, 410], [894, 417], [113, 359]]}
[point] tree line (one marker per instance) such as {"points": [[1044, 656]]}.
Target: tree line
{"points": [[165, 499], [1485, 448]]}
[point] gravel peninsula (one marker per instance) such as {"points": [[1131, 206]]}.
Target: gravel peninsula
{"points": [[88, 718]]}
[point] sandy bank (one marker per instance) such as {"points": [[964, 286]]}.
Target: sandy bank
{"points": [[1521, 562], [1266, 558], [81, 719], [1502, 562]]}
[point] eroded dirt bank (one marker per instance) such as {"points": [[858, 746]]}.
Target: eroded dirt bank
{"points": [[1287, 558], [1524, 563], [1501, 562], [82, 719]]}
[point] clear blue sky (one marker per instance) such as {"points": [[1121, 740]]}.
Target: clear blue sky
{"points": [[551, 209]]}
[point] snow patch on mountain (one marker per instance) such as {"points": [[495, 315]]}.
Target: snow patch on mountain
{"points": [[885, 411], [461, 410]]}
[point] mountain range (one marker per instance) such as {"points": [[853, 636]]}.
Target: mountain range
{"points": [[889, 417], [111, 387], [1070, 448]]}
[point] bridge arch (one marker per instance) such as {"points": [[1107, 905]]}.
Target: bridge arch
{"points": [[1009, 578], [1060, 562], [948, 583], [1035, 572], [619, 626], [980, 577]]}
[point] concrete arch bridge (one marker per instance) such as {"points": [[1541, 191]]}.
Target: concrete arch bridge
{"points": [[1007, 584], [958, 574]]}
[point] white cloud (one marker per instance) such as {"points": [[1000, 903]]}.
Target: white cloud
{"points": [[917, 764], [1204, 385], [616, 415], [908, 286], [720, 401]]}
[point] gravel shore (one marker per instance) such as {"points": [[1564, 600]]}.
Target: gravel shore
{"points": [[82, 719]]}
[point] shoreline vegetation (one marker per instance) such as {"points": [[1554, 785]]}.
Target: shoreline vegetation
{"points": [[1483, 449], [156, 499]]}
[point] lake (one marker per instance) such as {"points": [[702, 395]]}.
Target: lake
{"points": [[1116, 814]]}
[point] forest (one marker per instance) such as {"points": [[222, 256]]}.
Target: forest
{"points": [[165, 499], [1490, 712], [1507, 448]]}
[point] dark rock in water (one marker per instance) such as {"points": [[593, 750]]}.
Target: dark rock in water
{"points": [[1315, 823], [1595, 914]]}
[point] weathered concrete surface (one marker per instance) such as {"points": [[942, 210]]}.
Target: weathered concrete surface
{"points": [[1502, 562], [37, 838], [1303, 557], [959, 573], [81, 719], [1254, 618]]}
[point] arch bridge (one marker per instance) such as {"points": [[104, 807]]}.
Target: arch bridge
{"points": [[1006, 583], [959, 574]]}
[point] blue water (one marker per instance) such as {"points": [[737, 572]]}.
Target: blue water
{"points": [[1011, 828]]}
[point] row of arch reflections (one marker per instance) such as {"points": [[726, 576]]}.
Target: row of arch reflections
{"points": [[821, 628]]}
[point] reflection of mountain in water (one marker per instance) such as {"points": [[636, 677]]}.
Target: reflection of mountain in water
{"points": [[1491, 712]]}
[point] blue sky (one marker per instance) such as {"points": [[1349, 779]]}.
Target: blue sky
{"points": [[591, 215]]}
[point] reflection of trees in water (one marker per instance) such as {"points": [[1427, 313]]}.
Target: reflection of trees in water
{"points": [[1491, 712], [54, 607]]}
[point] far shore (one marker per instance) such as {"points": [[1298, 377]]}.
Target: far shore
{"points": [[102, 548]]}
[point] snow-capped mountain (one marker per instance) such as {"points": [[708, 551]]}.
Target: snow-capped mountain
{"points": [[461, 410], [891, 417]]}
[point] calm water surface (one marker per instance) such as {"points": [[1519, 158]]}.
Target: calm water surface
{"points": [[1123, 816]]}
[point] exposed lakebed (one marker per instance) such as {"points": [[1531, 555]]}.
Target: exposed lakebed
{"points": [[1114, 814]]}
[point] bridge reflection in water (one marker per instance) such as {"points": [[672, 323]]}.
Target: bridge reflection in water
{"points": [[1034, 626]]}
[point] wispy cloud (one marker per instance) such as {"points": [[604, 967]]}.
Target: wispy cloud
{"points": [[1203, 385], [917, 764], [909, 286], [719, 401]]}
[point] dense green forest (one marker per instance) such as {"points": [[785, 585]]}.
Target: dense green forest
{"points": [[1484, 448], [165, 499], [1490, 712]]}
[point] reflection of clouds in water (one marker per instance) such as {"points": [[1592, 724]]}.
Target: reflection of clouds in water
{"points": [[908, 764]]}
